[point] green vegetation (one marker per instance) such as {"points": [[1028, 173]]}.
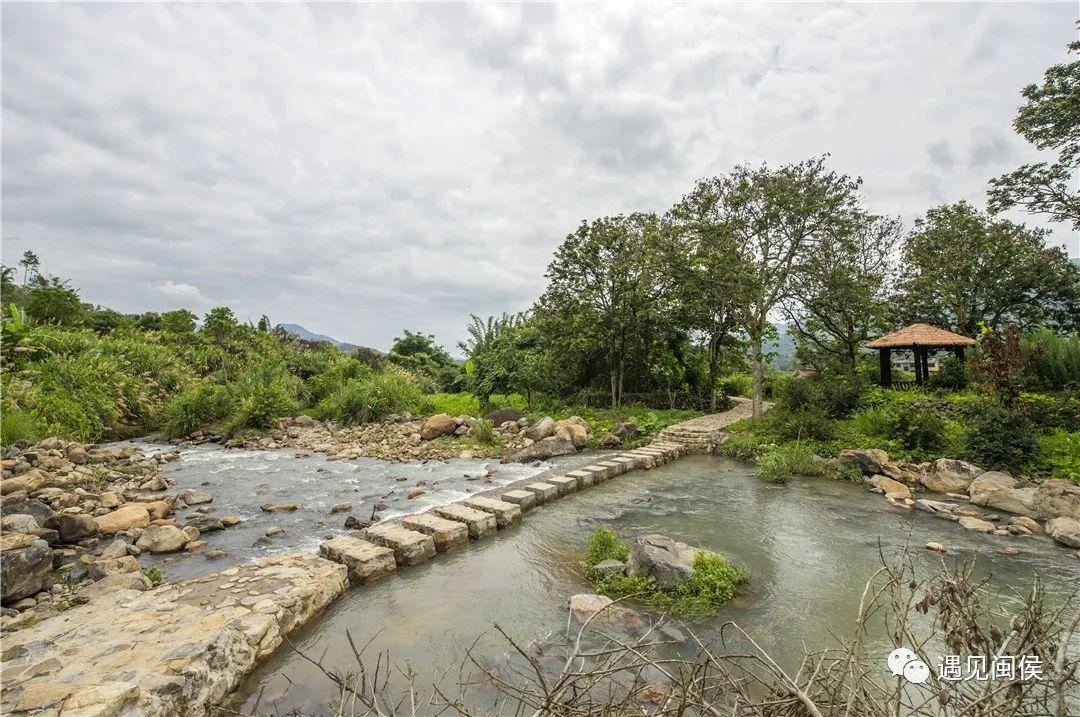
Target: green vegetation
{"points": [[711, 585], [154, 575]]}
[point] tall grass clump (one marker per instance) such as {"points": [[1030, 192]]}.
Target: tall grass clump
{"points": [[19, 425], [372, 398], [196, 407], [791, 459], [1052, 360], [483, 431]]}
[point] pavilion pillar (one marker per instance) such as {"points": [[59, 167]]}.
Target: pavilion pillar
{"points": [[925, 366], [885, 367], [959, 352], [917, 354]]}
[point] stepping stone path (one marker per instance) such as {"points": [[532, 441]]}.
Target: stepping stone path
{"points": [[183, 647]]}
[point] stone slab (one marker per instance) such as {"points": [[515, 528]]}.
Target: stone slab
{"points": [[506, 514], [365, 561], [544, 492], [479, 523], [176, 650], [447, 534], [601, 473], [564, 484], [525, 499], [614, 467], [409, 546], [584, 479]]}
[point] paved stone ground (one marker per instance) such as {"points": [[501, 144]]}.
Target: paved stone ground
{"points": [[706, 432], [175, 650]]}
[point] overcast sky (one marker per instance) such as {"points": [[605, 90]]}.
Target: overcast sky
{"points": [[366, 168]]}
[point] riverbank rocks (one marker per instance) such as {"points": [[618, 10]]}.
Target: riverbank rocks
{"points": [[948, 475], [176, 650], [870, 461], [977, 525], [162, 539], [544, 449], [998, 490], [1057, 497], [72, 528], [542, 429], [25, 565], [438, 425], [664, 559], [891, 488], [126, 517], [1064, 530], [504, 415]]}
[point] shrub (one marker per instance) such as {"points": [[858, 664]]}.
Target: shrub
{"points": [[1059, 455], [333, 376], [791, 459], [736, 384], [453, 404], [743, 446], [921, 430], [196, 407], [1000, 438], [604, 544], [830, 396], [483, 431], [372, 398], [16, 425], [262, 407], [807, 423], [1051, 360], [154, 575], [712, 584], [952, 375], [513, 400]]}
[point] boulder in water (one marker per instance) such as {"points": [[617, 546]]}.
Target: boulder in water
{"points": [[664, 559], [542, 450]]}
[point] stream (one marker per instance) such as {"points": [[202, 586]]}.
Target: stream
{"points": [[810, 547]]}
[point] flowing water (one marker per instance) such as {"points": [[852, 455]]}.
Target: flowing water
{"points": [[810, 546], [241, 481]]}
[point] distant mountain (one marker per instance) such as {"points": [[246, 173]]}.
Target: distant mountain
{"points": [[301, 333]]}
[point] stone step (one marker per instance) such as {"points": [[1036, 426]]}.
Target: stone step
{"points": [[409, 546], [479, 523], [365, 561], [544, 492], [447, 534], [601, 472], [565, 484], [584, 479], [614, 467], [524, 499], [506, 514]]}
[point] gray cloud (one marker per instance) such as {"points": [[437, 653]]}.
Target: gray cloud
{"points": [[360, 169]]}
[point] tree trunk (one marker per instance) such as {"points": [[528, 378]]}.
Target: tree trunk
{"points": [[758, 368], [714, 365], [614, 395], [622, 367]]}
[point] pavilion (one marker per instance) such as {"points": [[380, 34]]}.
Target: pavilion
{"points": [[922, 340]]}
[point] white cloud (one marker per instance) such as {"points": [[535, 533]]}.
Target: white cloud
{"points": [[366, 168]]}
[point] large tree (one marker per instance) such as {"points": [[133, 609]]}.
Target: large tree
{"points": [[1050, 120], [602, 290], [776, 216], [962, 269], [840, 292], [701, 256]]}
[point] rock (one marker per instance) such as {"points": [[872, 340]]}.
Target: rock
{"points": [[354, 523], [610, 441], [126, 517], [162, 539], [1057, 497], [103, 567], [1064, 530], [541, 429], [502, 415], [195, 497], [76, 454], [229, 521], [280, 508], [415, 493], [608, 568], [274, 530], [19, 523], [26, 483], [991, 481], [436, 426], [585, 605], [937, 547], [667, 561], [977, 524], [340, 508], [72, 528], [116, 549], [947, 475], [935, 506], [205, 524], [626, 431], [1025, 522], [158, 509], [214, 554], [110, 499], [574, 433], [191, 532], [544, 449], [870, 461], [33, 507], [1011, 500], [890, 487], [25, 564]]}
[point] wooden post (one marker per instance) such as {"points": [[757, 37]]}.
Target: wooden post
{"points": [[959, 351], [917, 354], [926, 366], [885, 367]]}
